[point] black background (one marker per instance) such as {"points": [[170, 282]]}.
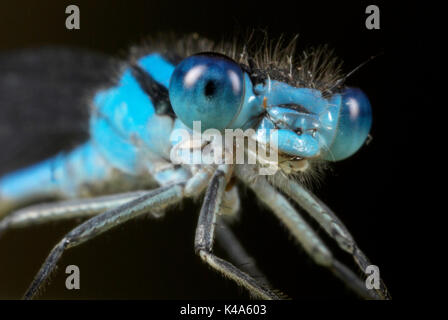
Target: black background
{"points": [[372, 192]]}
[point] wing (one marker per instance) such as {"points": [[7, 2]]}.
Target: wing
{"points": [[44, 101]]}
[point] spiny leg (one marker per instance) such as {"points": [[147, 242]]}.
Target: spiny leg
{"points": [[91, 228], [64, 210], [205, 234], [230, 243], [328, 221], [228, 212], [311, 243]]}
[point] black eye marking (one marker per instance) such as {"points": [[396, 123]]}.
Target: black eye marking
{"points": [[256, 75], [157, 93], [296, 107], [210, 89]]}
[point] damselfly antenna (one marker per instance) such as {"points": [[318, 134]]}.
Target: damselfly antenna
{"points": [[341, 80]]}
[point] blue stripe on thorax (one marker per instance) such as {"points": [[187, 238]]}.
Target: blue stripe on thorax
{"points": [[158, 68], [125, 114], [123, 123]]}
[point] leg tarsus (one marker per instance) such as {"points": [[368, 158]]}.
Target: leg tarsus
{"points": [[352, 281], [328, 220], [300, 229], [363, 262], [46, 269], [160, 197], [236, 252], [241, 278], [205, 233]]}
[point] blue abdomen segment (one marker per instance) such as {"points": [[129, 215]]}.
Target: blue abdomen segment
{"points": [[59, 176]]}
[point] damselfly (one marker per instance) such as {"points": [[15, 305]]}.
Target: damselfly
{"points": [[141, 156]]}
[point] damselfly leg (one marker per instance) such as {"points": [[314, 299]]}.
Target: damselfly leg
{"points": [[328, 221], [101, 223], [300, 229], [205, 233], [237, 253], [65, 210]]}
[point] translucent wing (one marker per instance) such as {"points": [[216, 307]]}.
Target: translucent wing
{"points": [[44, 101]]}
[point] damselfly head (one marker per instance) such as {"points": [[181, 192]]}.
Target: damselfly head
{"points": [[301, 102]]}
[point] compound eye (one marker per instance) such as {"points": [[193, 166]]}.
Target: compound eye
{"points": [[355, 119], [207, 87]]}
